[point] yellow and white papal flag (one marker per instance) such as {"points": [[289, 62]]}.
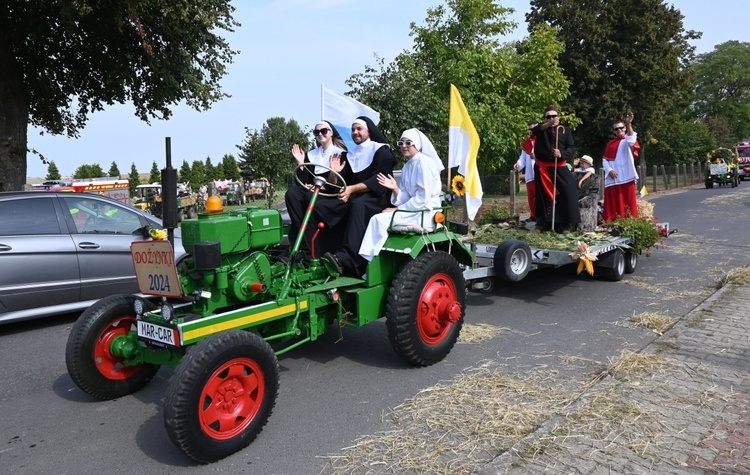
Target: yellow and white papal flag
{"points": [[463, 146]]}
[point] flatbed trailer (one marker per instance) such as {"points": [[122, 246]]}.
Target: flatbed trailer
{"points": [[513, 259]]}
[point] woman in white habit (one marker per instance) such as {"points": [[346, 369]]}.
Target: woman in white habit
{"points": [[420, 189]]}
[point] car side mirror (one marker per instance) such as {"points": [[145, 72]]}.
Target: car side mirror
{"points": [[143, 231]]}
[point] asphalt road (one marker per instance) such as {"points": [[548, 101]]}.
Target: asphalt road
{"points": [[334, 391]]}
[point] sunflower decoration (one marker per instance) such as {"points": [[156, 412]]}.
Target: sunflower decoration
{"points": [[458, 185], [157, 234], [585, 256]]}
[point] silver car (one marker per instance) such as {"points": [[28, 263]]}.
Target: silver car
{"points": [[62, 251]]}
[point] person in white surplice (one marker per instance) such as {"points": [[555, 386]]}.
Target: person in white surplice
{"points": [[420, 189]]}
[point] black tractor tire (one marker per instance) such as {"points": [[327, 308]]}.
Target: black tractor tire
{"points": [[425, 309], [631, 261], [512, 260], [90, 364], [221, 395], [709, 184], [617, 271]]}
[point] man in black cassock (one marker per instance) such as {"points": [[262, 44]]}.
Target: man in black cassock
{"points": [[556, 186], [366, 197]]}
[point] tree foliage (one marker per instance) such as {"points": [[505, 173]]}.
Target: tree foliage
{"points": [[503, 86], [134, 179], [266, 152], [52, 172], [155, 174], [722, 87], [230, 167], [185, 173], [197, 174], [89, 171], [114, 170], [63, 60], [620, 56]]}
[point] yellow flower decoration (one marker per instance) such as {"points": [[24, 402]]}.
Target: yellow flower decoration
{"points": [[157, 234], [458, 186]]}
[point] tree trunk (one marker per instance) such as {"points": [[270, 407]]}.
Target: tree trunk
{"points": [[14, 116]]}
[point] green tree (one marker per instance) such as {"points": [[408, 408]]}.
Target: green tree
{"points": [[722, 86], [65, 59], [185, 174], [266, 151], [219, 171], [52, 172], [198, 174], [88, 171], [113, 170], [680, 141], [619, 56], [155, 176], [503, 85], [230, 167], [134, 179], [210, 170]]}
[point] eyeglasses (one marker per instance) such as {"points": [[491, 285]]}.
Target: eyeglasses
{"points": [[404, 143], [322, 131], [619, 128], [550, 116]]}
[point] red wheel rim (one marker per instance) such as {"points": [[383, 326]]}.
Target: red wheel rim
{"points": [[108, 365], [231, 398], [438, 309]]}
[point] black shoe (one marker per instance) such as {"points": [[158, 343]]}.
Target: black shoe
{"points": [[334, 261], [530, 220]]}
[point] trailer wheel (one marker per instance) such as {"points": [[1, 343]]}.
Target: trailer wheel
{"points": [[91, 365], [709, 183], [617, 271], [631, 262], [192, 212], [512, 260], [425, 309], [221, 395]]}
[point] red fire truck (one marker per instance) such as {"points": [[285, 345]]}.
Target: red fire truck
{"points": [[742, 152], [111, 187]]}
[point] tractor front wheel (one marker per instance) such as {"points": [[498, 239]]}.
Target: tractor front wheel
{"points": [[91, 365], [221, 395], [425, 310]]}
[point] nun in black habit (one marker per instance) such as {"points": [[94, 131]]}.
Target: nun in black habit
{"points": [[365, 195]]}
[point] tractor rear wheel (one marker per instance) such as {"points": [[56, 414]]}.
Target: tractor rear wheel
{"points": [[221, 395], [91, 365], [425, 310]]}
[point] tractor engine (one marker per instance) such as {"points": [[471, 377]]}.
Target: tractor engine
{"points": [[229, 264]]}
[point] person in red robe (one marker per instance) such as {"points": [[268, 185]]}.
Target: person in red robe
{"points": [[620, 173], [525, 164]]}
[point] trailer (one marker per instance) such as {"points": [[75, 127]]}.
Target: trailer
{"points": [[513, 259]]}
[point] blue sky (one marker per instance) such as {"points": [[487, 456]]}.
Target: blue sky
{"points": [[287, 49]]}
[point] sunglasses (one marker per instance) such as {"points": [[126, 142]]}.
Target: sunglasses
{"points": [[619, 128], [322, 131], [550, 116], [404, 143]]}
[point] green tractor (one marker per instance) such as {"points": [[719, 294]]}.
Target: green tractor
{"points": [[223, 315]]}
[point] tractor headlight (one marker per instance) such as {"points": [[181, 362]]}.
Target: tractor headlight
{"points": [[138, 307], [167, 312]]}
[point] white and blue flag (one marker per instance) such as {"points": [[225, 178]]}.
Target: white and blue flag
{"points": [[342, 110]]}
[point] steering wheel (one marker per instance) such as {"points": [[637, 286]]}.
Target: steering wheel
{"points": [[309, 168]]}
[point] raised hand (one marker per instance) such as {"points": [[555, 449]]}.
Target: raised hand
{"points": [[298, 154], [336, 163], [387, 181]]}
